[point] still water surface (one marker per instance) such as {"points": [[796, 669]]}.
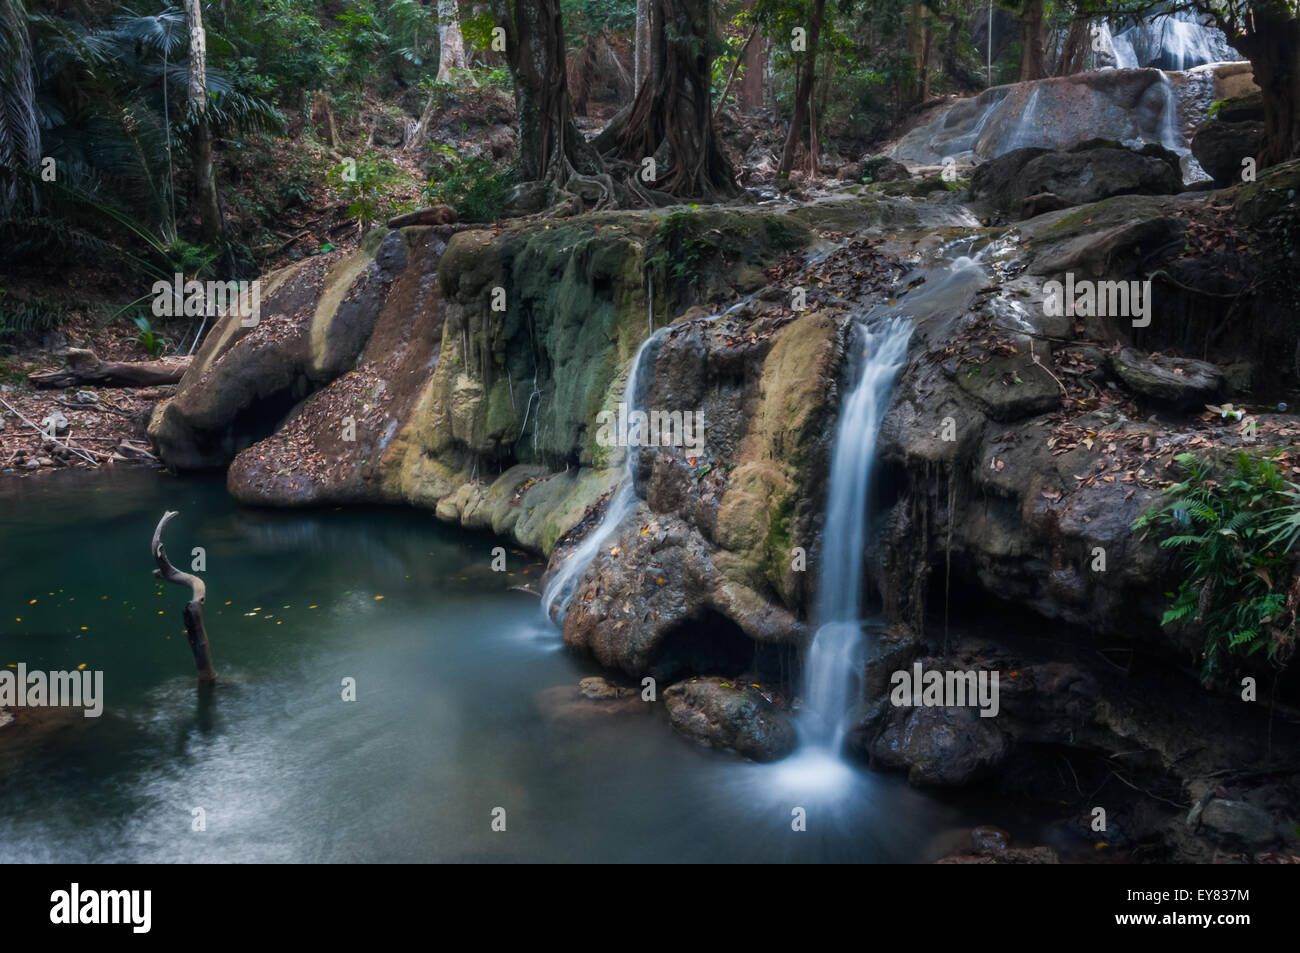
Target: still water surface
{"points": [[451, 667]]}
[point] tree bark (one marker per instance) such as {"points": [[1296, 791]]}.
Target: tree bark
{"points": [[750, 97], [1032, 58], [803, 95], [919, 41], [194, 629], [1272, 47], [671, 118], [451, 44], [212, 228], [641, 47], [84, 367], [731, 75], [1074, 50], [550, 147]]}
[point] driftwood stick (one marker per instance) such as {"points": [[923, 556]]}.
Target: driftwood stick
{"points": [[85, 367], [194, 629], [49, 436]]}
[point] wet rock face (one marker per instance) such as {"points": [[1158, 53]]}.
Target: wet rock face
{"points": [[1076, 177], [1059, 113], [941, 747], [719, 713]]}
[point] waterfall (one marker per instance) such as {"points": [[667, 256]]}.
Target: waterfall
{"points": [[1125, 55], [879, 352], [1170, 41], [559, 590]]}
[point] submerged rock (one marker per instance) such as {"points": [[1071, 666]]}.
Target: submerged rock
{"points": [[719, 713]]}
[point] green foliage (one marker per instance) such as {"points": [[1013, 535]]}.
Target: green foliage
{"points": [[25, 318], [683, 249], [587, 18], [1237, 573], [475, 187], [192, 261], [153, 344], [364, 185]]}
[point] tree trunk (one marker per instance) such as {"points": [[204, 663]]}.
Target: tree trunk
{"points": [[671, 118], [212, 227], [749, 98], [550, 147], [950, 55], [641, 50], [451, 45], [194, 629], [735, 67], [1074, 51], [1272, 48], [20, 133], [803, 93], [1032, 58]]}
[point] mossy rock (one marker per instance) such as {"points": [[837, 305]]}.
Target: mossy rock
{"points": [[1272, 194]]}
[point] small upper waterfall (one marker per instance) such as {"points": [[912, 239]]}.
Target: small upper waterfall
{"points": [[879, 352], [559, 590], [1171, 41]]}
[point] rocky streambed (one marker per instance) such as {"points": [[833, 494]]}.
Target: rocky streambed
{"points": [[464, 371]]}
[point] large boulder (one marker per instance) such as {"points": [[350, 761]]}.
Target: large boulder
{"points": [[1129, 105], [1083, 175], [718, 712], [1222, 147], [1177, 382], [883, 169], [941, 747]]}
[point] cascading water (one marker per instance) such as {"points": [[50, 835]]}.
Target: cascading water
{"points": [[880, 352], [559, 590]]}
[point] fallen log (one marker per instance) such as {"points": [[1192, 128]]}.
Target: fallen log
{"points": [[194, 630], [84, 367]]}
